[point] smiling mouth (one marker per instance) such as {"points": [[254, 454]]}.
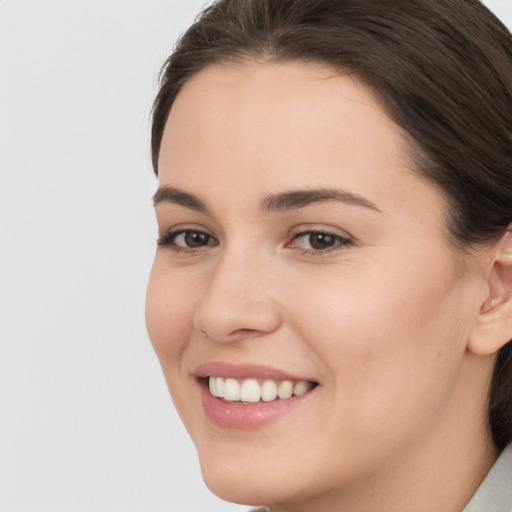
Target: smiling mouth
{"points": [[250, 391]]}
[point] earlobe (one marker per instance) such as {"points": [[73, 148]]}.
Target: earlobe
{"points": [[493, 328]]}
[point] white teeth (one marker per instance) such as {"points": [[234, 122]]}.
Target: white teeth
{"points": [[219, 387], [251, 391], [301, 387], [285, 389], [231, 390], [211, 385], [268, 391]]}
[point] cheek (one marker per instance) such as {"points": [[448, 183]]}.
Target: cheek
{"points": [[390, 349], [168, 315], [169, 311], [385, 333]]}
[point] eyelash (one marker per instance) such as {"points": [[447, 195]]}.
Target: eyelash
{"points": [[168, 240], [339, 241]]}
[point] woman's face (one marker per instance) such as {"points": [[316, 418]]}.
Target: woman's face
{"points": [[299, 250]]}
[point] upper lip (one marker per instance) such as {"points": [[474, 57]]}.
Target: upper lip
{"points": [[244, 371]]}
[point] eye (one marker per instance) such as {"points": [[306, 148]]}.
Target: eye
{"points": [[186, 240], [314, 242]]}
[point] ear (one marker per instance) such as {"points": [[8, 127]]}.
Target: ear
{"points": [[493, 328]]}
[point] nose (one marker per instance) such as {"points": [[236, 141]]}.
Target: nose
{"points": [[237, 301]]}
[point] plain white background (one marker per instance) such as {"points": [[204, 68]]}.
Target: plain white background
{"points": [[86, 424]]}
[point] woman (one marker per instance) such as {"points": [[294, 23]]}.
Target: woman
{"points": [[331, 297]]}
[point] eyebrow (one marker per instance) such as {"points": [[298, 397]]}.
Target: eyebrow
{"points": [[301, 198], [176, 196], [282, 201]]}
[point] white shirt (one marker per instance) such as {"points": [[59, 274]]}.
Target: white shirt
{"points": [[495, 492]]}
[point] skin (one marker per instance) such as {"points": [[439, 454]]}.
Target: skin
{"points": [[382, 322]]}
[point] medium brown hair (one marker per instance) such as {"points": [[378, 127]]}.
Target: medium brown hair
{"points": [[443, 69]]}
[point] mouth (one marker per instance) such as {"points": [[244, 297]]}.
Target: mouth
{"points": [[253, 390], [249, 397]]}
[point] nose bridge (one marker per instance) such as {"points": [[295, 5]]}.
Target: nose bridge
{"points": [[237, 301]]}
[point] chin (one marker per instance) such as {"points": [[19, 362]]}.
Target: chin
{"points": [[243, 493], [246, 480], [258, 477]]}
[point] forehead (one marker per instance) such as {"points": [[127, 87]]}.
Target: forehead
{"points": [[278, 115], [303, 94]]}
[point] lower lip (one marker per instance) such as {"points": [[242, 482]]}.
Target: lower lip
{"points": [[238, 416]]}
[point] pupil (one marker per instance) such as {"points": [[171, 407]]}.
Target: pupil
{"points": [[196, 239], [321, 241]]}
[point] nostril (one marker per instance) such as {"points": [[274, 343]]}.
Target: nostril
{"points": [[246, 333]]}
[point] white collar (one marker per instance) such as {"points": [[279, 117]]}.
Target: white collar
{"points": [[495, 492]]}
